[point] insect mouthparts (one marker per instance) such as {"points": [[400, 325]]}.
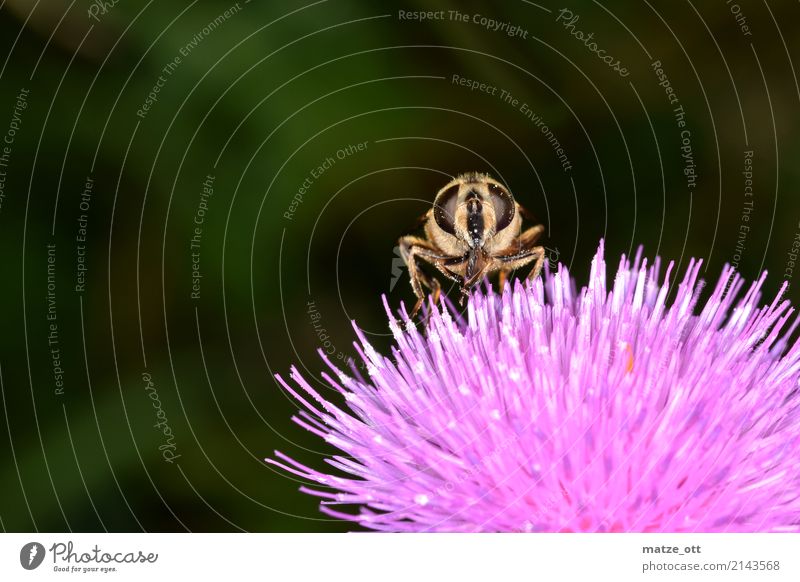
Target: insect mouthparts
{"points": [[463, 245]]}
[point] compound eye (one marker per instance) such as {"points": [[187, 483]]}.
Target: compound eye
{"points": [[444, 209], [504, 207]]}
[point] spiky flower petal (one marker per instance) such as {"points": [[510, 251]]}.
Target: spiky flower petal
{"points": [[548, 409]]}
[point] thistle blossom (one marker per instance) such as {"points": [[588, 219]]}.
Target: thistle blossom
{"points": [[549, 409]]}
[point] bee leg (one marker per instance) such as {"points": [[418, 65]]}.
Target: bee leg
{"points": [[437, 291], [512, 262], [412, 249], [526, 251], [527, 245], [502, 278], [537, 266], [436, 294], [417, 307]]}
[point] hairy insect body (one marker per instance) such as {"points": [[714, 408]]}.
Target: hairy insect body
{"points": [[472, 230]]}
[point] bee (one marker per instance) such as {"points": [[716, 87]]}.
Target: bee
{"points": [[473, 229]]}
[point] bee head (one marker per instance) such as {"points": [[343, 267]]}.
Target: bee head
{"points": [[473, 208]]}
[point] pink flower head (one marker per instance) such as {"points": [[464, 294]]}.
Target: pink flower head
{"points": [[547, 409]]}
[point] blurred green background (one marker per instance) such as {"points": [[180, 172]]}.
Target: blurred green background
{"points": [[249, 100]]}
